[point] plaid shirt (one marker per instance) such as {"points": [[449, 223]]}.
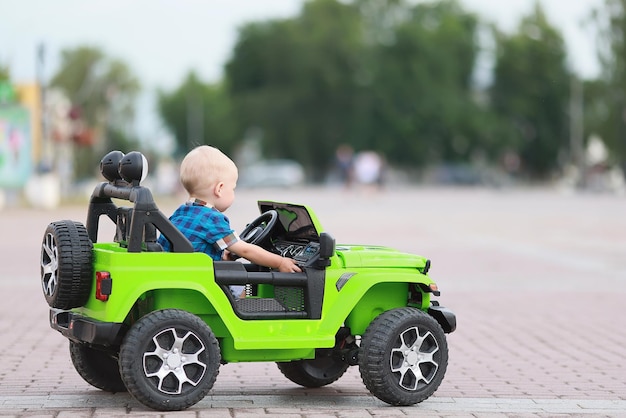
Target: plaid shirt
{"points": [[206, 228]]}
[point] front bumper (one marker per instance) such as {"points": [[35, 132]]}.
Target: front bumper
{"points": [[82, 329], [444, 316]]}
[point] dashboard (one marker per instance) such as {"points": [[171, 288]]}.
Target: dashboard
{"points": [[303, 253]]}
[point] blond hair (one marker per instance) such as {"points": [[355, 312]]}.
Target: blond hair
{"points": [[203, 167]]}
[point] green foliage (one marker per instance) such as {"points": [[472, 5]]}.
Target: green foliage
{"points": [[531, 93], [607, 96], [420, 105], [360, 74], [7, 91], [598, 109], [394, 76], [196, 113], [102, 92], [296, 81], [5, 73], [103, 89]]}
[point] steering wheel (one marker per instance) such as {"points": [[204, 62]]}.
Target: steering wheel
{"points": [[258, 230]]}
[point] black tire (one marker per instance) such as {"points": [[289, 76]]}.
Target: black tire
{"points": [[169, 360], [66, 264], [314, 373], [96, 367], [404, 356]]}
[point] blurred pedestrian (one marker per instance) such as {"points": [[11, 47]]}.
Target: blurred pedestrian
{"points": [[344, 163], [368, 169]]}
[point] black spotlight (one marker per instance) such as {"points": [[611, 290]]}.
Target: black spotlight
{"points": [[133, 168], [109, 165]]}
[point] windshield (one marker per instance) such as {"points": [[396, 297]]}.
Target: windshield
{"points": [[295, 220]]}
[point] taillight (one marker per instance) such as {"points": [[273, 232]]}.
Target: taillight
{"points": [[104, 285]]}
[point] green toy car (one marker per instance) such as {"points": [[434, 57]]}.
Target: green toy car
{"points": [[159, 324]]}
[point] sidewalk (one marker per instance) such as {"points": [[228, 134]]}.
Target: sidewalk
{"points": [[537, 280], [100, 405]]}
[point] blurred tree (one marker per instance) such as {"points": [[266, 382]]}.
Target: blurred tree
{"points": [[197, 113], [382, 75], [5, 74], [597, 108], [102, 92], [421, 106], [611, 92], [100, 89], [295, 81], [7, 92], [531, 93], [398, 77]]}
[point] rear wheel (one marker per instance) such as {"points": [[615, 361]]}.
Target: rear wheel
{"points": [[404, 356], [314, 373], [169, 360], [98, 368], [66, 264]]}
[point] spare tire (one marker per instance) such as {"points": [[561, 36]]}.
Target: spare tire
{"points": [[66, 264]]}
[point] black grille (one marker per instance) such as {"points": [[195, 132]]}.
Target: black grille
{"points": [[286, 299]]}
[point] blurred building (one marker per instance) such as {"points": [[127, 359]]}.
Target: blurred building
{"points": [[25, 163], [17, 130]]}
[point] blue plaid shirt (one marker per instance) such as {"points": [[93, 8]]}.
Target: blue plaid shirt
{"points": [[206, 228]]}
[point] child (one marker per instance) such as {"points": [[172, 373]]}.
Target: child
{"points": [[210, 178]]}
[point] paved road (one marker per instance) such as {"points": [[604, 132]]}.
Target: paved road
{"points": [[537, 279]]}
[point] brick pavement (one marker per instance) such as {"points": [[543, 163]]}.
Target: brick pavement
{"points": [[537, 280]]}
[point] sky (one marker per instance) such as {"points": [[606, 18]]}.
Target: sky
{"points": [[162, 40]]}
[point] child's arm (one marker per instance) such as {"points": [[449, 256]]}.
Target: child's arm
{"points": [[258, 255]]}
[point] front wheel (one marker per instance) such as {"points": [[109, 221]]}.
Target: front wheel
{"points": [[169, 360], [404, 356]]}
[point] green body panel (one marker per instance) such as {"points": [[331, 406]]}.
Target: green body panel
{"points": [[185, 281], [378, 299], [367, 294], [379, 282], [375, 256], [137, 274], [360, 283]]}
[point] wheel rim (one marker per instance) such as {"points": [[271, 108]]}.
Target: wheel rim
{"points": [[49, 265], [414, 360], [178, 358]]}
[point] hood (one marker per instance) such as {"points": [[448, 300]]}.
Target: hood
{"points": [[355, 256]]}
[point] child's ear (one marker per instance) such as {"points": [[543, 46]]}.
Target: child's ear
{"points": [[217, 190]]}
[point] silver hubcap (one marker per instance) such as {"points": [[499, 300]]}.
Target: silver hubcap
{"points": [[175, 361], [49, 265], [414, 360]]}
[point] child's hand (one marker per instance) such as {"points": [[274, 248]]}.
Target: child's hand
{"points": [[287, 265], [229, 256]]}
